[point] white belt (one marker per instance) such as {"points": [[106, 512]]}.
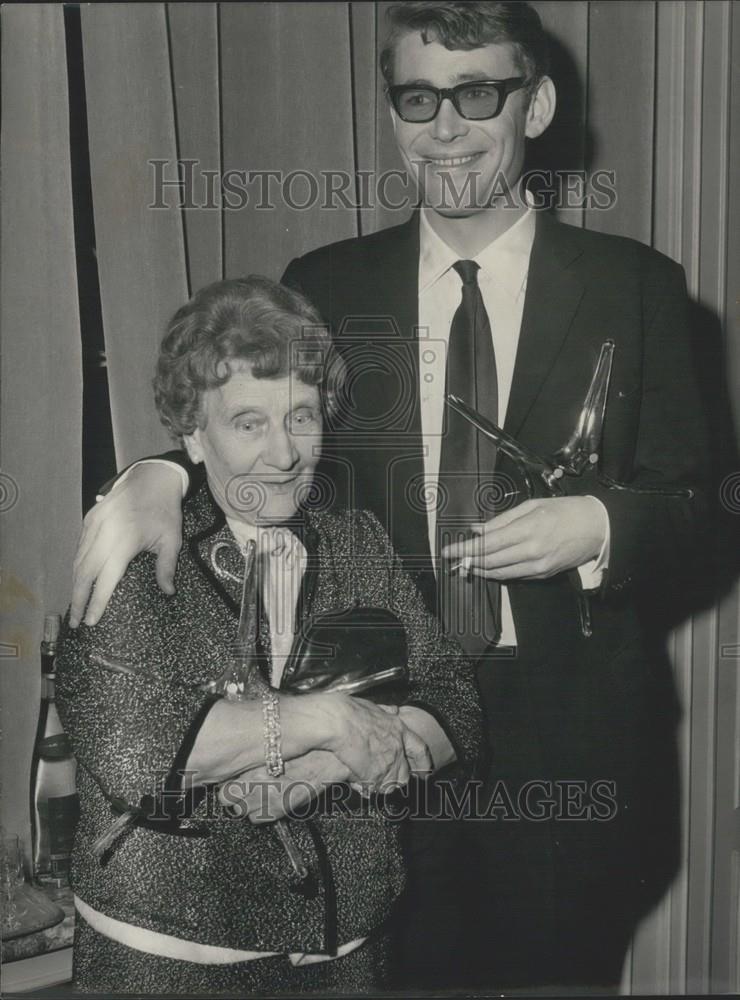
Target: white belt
{"points": [[167, 946]]}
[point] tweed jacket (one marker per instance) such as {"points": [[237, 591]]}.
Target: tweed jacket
{"points": [[130, 694]]}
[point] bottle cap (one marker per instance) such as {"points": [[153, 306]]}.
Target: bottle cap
{"points": [[52, 627]]}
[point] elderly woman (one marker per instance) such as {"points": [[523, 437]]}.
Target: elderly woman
{"points": [[174, 892]]}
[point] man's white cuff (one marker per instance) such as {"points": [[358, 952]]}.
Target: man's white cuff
{"points": [[150, 461], [592, 572]]}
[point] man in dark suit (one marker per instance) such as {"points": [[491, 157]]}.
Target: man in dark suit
{"points": [[480, 294]]}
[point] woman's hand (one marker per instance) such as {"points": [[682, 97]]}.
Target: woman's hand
{"points": [[262, 799], [372, 741], [375, 746]]}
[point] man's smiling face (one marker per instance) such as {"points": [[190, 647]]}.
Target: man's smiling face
{"points": [[449, 152]]}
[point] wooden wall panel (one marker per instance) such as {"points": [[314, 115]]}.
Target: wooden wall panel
{"points": [[732, 290], [692, 221], [669, 164], [364, 45], [286, 106], [620, 111], [566, 145], [387, 155], [658, 955], [713, 280], [193, 42]]}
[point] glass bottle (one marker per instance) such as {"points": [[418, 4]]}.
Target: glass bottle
{"points": [[54, 801]]}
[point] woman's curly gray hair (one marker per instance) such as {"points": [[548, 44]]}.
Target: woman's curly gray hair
{"points": [[274, 329]]}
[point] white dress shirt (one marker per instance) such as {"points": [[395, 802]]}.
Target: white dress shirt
{"points": [[502, 279]]}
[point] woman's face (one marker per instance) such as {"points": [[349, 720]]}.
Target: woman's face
{"points": [[260, 441]]}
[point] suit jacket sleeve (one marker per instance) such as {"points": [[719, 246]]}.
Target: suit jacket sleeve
{"points": [[131, 721], [654, 536], [292, 276], [196, 473], [314, 279]]}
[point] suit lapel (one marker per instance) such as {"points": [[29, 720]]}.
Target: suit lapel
{"points": [[405, 462], [552, 297], [394, 280], [402, 280], [393, 276]]}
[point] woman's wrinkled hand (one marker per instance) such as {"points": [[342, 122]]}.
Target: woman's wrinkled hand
{"points": [[256, 796], [378, 749]]}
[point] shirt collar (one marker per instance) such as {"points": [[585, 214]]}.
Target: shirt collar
{"points": [[276, 539], [508, 254]]}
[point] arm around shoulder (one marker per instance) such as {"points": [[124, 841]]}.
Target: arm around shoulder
{"points": [[143, 513]]}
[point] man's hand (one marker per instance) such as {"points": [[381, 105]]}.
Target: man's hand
{"points": [[262, 799], [143, 513], [535, 540]]}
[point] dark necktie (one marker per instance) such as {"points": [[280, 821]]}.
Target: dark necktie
{"points": [[470, 606]]}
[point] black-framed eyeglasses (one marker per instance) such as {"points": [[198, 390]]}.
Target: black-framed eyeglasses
{"points": [[477, 100]]}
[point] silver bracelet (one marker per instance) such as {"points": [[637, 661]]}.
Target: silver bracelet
{"points": [[273, 749]]}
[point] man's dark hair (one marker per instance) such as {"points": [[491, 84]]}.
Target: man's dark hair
{"points": [[470, 25]]}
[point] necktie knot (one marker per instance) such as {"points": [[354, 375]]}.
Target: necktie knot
{"points": [[468, 271]]}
